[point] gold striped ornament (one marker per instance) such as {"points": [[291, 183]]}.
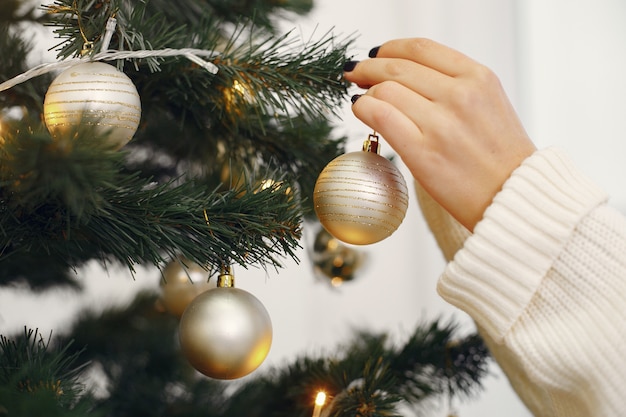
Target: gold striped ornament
{"points": [[93, 94], [361, 197]]}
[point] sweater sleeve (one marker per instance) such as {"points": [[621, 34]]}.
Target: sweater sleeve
{"points": [[518, 240], [544, 278]]}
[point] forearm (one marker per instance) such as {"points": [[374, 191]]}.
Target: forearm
{"points": [[543, 276]]}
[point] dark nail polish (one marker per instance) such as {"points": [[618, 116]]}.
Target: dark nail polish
{"points": [[349, 66], [354, 98], [374, 52]]}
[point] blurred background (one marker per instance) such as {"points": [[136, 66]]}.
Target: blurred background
{"points": [[562, 64]]}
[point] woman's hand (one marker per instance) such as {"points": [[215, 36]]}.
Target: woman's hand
{"points": [[446, 116]]}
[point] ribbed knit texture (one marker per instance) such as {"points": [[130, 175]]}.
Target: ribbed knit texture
{"points": [[544, 277]]}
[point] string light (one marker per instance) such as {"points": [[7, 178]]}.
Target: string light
{"points": [[107, 54], [320, 400], [108, 33], [189, 53]]}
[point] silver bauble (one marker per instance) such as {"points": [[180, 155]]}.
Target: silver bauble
{"points": [[93, 94], [360, 198], [225, 333]]}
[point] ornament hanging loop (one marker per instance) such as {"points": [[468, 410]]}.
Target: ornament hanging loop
{"points": [[87, 48], [226, 278], [371, 144]]}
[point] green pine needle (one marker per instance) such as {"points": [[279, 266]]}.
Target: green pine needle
{"points": [[38, 379]]}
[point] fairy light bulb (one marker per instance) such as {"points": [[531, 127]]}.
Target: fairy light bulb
{"points": [[320, 400], [240, 88]]}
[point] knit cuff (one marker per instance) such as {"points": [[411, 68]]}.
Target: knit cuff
{"points": [[500, 267]]}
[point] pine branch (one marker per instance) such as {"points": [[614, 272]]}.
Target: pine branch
{"points": [[36, 379], [261, 80], [135, 347], [136, 353], [76, 203], [151, 24], [15, 49], [368, 377], [434, 360], [371, 396], [82, 202], [258, 71], [273, 75], [297, 147], [262, 12], [13, 12]]}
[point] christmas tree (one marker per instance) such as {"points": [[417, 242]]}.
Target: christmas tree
{"points": [[193, 146]]}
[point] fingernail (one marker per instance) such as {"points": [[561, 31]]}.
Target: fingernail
{"points": [[354, 98], [349, 66], [374, 52]]}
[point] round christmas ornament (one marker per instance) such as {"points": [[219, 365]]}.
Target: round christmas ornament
{"points": [[361, 197], [333, 260], [93, 94], [182, 281], [226, 332]]}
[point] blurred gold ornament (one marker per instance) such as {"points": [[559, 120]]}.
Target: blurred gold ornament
{"points": [[232, 177], [226, 332], [183, 280], [238, 176], [361, 197], [334, 260], [93, 94]]}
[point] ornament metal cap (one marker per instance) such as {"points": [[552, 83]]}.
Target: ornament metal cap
{"points": [[371, 146], [226, 279]]}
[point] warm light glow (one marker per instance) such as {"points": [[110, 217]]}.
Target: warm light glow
{"points": [[320, 399], [333, 244], [265, 184], [242, 90], [239, 87], [336, 281], [269, 183], [237, 94]]}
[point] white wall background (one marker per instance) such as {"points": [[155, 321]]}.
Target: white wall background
{"points": [[562, 63]]}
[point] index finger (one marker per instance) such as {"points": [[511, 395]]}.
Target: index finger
{"points": [[428, 53]]}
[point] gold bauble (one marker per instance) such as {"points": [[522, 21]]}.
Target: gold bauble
{"points": [[93, 94], [183, 280], [360, 198], [225, 333], [334, 260]]}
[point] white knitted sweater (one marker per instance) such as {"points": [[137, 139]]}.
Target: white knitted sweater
{"points": [[544, 278]]}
